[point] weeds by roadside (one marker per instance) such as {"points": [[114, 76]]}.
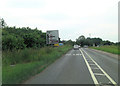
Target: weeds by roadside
{"points": [[111, 49], [20, 65]]}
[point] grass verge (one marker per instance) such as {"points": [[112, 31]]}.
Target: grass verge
{"points": [[110, 49], [18, 66]]}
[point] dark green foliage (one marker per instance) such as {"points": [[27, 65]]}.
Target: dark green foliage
{"points": [[69, 42], [91, 41], [20, 38], [97, 41], [9, 42], [107, 43], [81, 40], [2, 23]]}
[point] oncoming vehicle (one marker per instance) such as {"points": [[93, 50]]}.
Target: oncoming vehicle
{"points": [[85, 46], [76, 47]]}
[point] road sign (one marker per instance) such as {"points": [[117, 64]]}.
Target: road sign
{"points": [[52, 37]]}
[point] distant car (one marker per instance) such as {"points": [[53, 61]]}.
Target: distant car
{"points": [[85, 46], [76, 47]]}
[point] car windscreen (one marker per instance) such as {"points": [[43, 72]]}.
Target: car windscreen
{"points": [[75, 46]]}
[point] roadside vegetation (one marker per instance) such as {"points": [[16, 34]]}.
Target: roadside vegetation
{"points": [[108, 48], [82, 41], [25, 53], [21, 38], [21, 65], [99, 44]]}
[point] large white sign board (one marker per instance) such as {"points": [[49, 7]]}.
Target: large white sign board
{"points": [[52, 37]]}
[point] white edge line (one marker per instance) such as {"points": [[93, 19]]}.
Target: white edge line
{"points": [[90, 70], [102, 70]]}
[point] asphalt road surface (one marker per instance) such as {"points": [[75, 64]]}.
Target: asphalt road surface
{"points": [[83, 66]]}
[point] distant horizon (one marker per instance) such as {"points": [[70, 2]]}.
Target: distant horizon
{"points": [[71, 17], [64, 39]]}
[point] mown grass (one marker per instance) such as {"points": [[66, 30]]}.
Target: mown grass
{"points": [[111, 49], [20, 65]]}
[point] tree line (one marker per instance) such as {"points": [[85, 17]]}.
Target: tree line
{"points": [[25, 37], [81, 40], [20, 38]]}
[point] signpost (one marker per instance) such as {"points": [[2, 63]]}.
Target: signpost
{"points": [[52, 37]]}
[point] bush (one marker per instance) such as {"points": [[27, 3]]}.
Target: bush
{"points": [[9, 42], [20, 38]]}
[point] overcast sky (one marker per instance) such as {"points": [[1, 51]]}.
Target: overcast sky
{"points": [[71, 17]]}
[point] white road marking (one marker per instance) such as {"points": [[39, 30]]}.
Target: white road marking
{"points": [[90, 70], [73, 54], [99, 74], [80, 54], [96, 68], [113, 82], [68, 54], [77, 54]]}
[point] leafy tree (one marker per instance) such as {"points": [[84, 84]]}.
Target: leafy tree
{"points": [[107, 43], [97, 41], [88, 41], [9, 42], [20, 38], [2, 23], [81, 40], [69, 42], [20, 43]]}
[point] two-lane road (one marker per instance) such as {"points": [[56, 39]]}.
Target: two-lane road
{"points": [[83, 66]]}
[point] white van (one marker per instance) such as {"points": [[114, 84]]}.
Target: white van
{"points": [[76, 47]]}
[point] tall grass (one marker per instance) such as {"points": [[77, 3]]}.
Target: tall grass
{"points": [[111, 49], [20, 65]]}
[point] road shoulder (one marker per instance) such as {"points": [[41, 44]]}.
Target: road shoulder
{"points": [[116, 56]]}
